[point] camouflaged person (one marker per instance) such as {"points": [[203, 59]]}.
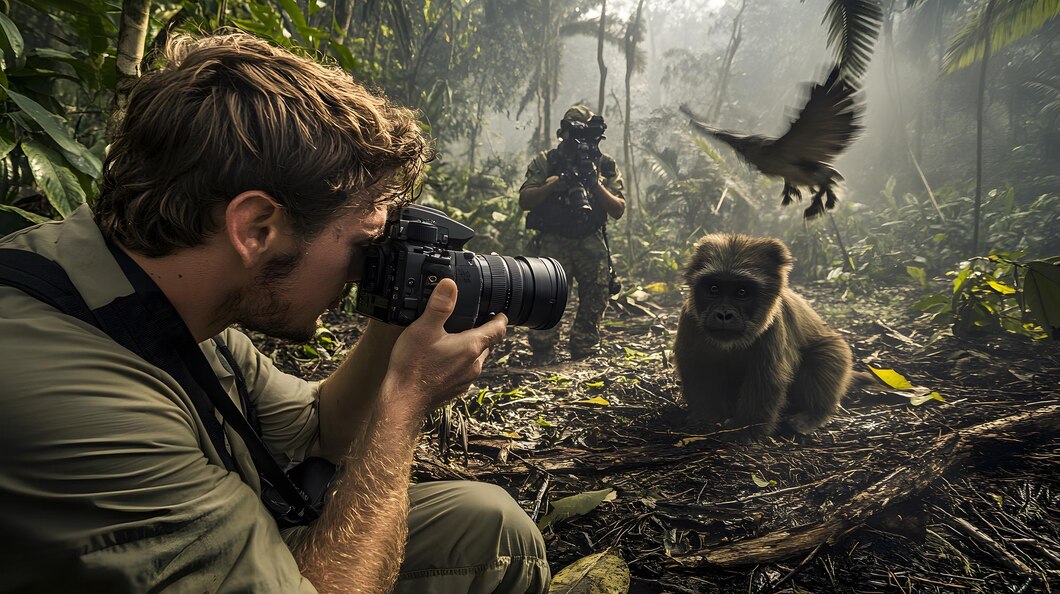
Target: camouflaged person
{"points": [[570, 191]]}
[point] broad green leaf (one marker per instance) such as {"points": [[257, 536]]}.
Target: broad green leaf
{"points": [[29, 216], [595, 400], [58, 182], [1001, 287], [575, 505], [1041, 294], [54, 126], [892, 378], [12, 38], [761, 481], [7, 141], [600, 573], [918, 275]]}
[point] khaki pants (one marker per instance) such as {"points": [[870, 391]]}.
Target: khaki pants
{"points": [[470, 537]]}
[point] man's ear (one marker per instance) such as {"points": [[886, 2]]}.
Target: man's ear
{"points": [[255, 225]]}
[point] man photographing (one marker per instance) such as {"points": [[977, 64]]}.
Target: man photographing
{"points": [[242, 188], [570, 192]]}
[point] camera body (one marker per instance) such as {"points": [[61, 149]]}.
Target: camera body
{"points": [[581, 154], [421, 246]]}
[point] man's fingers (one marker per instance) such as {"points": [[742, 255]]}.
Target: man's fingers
{"points": [[492, 332], [441, 304]]}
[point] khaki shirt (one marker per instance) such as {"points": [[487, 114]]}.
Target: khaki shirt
{"points": [[108, 479]]}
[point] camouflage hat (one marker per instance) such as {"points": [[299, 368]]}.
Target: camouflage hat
{"points": [[578, 113]]}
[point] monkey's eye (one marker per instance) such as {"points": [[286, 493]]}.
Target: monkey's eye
{"points": [[741, 293], [715, 289]]}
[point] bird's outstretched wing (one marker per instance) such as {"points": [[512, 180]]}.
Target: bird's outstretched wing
{"points": [[745, 145], [828, 123]]}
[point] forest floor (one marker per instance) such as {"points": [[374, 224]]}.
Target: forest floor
{"points": [[888, 497]]}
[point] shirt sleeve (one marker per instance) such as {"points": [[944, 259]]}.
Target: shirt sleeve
{"points": [[612, 177], [536, 172], [104, 483]]}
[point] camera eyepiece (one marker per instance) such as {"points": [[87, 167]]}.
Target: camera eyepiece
{"points": [[421, 246]]}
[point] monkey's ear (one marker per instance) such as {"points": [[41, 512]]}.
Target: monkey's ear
{"points": [[779, 254]]}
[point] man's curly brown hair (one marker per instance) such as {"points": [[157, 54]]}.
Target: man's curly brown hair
{"points": [[229, 113]]}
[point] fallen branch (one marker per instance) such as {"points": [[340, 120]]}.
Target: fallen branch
{"points": [[948, 452]]}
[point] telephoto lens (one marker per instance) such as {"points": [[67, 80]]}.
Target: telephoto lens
{"points": [[421, 246], [532, 292]]}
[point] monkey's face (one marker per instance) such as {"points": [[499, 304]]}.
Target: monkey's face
{"points": [[735, 284], [725, 305]]}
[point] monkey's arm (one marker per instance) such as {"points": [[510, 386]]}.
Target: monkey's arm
{"points": [[770, 371]]}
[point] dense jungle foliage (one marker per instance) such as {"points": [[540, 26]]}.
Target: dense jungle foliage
{"points": [[492, 76]]}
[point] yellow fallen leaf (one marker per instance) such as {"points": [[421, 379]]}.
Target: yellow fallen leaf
{"points": [[657, 287], [892, 378], [597, 400]]}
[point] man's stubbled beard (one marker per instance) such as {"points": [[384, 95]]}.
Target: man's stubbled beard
{"points": [[261, 307]]}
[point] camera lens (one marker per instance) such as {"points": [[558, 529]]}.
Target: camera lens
{"points": [[532, 292]]}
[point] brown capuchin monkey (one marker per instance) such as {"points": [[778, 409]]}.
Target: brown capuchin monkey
{"points": [[748, 347]]}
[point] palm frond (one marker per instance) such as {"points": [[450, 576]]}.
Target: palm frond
{"points": [[853, 26], [1049, 91], [613, 32], [1012, 20], [662, 163]]}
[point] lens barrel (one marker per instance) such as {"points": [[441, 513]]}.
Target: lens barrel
{"points": [[532, 292]]}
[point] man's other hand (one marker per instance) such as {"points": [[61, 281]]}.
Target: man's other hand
{"points": [[429, 365]]}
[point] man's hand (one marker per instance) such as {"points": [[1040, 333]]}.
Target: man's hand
{"points": [[428, 365], [530, 197]]}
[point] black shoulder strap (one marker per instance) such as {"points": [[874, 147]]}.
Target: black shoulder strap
{"points": [[146, 324]]}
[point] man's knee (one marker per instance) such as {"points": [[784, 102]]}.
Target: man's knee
{"points": [[474, 534]]}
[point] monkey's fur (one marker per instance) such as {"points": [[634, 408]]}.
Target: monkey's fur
{"points": [[748, 347]]}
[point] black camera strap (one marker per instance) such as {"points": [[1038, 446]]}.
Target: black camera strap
{"points": [[146, 323]]}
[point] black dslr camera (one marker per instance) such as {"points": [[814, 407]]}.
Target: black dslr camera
{"points": [[581, 154], [420, 246]]}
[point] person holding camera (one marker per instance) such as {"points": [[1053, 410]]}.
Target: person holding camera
{"points": [[148, 445], [570, 192]]}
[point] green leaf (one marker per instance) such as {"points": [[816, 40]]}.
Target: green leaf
{"points": [[7, 141], [1001, 287], [892, 378], [595, 400], [600, 573], [918, 275], [575, 505], [12, 38], [29, 216], [1041, 294], [761, 482], [54, 126], [57, 181]]}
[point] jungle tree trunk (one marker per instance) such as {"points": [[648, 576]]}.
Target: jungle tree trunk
{"points": [[343, 18], [979, 109], [546, 80], [132, 35], [730, 53], [632, 37], [600, 57]]}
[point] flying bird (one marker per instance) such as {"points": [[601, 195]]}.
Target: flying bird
{"points": [[828, 123]]}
